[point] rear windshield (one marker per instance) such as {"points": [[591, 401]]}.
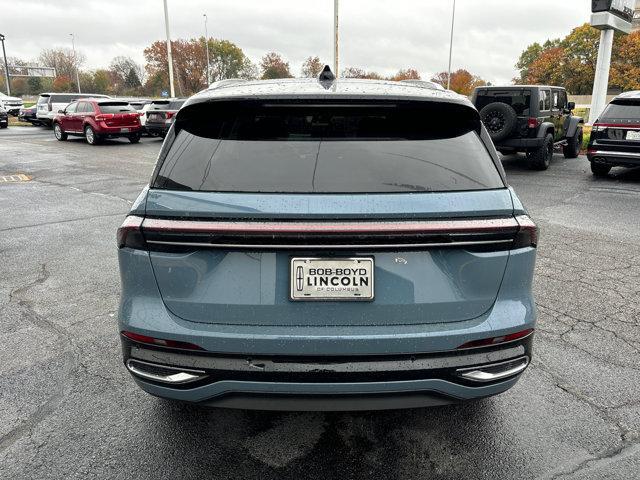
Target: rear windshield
{"points": [[520, 100], [327, 149], [43, 99], [63, 98], [627, 110], [175, 105], [159, 105], [115, 107]]}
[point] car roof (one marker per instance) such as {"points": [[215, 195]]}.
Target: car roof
{"points": [[631, 95], [311, 88], [517, 87]]}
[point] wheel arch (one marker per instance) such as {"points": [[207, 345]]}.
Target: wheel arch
{"points": [[574, 124]]}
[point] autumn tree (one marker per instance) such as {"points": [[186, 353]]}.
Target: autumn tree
{"points": [[462, 81], [62, 83], [408, 74], [189, 64], [355, 72], [126, 75], [273, 66], [312, 67], [227, 60], [63, 60], [625, 68], [547, 68], [530, 55]]}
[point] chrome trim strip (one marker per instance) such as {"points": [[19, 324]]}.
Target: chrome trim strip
{"points": [[328, 247], [271, 364], [480, 374], [181, 376], [605, 153]]}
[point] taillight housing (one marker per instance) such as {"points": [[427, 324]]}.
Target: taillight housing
{"points": [[136, 337], [527, 235], [101, 117], [130, 233], [533, 122], [487, 342], [169, 115]]}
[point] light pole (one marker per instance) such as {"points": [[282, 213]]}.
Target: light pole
{"points": [[6, 65], [336, 53], [75, 61], [453, 23], [169, 59], [206, 44]]}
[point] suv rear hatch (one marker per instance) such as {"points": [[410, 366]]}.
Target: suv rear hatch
{"points": [[118, 114], [244, 188], [162, 111], [619, 125], [517, 98]]}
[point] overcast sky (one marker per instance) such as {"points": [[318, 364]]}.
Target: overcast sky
{"points": [[379, 35]]}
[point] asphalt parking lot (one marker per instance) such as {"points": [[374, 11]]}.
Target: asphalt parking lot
{"points": [[68, 408]]}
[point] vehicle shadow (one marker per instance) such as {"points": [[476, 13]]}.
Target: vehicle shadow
{"points": [[417, 443]]}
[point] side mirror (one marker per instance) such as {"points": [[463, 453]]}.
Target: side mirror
{"points": [[571, 106], [62, 111]]}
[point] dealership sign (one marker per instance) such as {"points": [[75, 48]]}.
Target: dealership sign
{"points": [[620, 8]]}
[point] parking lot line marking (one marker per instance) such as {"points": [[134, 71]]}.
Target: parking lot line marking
{"points": [[15, 178]]}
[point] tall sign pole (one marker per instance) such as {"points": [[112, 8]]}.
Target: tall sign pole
{"points": [[336, 51], [609, 16], [75, 60], [453, 23], [169, 59], [6, 66], [206, 44]]}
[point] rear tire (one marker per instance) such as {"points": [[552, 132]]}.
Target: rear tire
{"points": [[574, 145], [600, 170], [91, 136], [540, 159], [59, 133], [134, 138]]}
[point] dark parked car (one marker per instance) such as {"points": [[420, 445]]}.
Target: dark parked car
{"points": [[4, 118], [615, 137], [161, 114], [319, 245], [532, 119], [29, 114], [97, 119]]}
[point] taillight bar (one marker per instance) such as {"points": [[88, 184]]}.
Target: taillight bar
{"points": [[602, 126], [130, 233], [481, 225]]}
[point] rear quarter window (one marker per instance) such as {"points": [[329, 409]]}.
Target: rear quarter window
{"points": [[316, 149]]}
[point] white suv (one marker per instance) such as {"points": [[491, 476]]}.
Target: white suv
{"points": [[50, 103], [11, 104]]}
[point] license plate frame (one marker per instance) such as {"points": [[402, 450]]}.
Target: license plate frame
{"points": [[633, 135], [125, 130], [357, 289]]}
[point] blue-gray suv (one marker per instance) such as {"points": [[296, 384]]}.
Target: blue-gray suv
{"points": [[327, 245]]}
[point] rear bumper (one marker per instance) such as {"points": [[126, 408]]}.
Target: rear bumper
{"points": [[157, 128], [117, 131], [614, 157], [520, 143], [355, 383]]}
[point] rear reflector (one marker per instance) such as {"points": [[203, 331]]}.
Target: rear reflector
{"points": [[130, 233], [136, 337], [486, 342]]}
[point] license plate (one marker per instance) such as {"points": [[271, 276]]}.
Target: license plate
{"points": [[124, 130], [333, 279], [633, 135], [154, 116]]}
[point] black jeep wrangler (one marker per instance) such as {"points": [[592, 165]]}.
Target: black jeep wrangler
{"points": [[533, 119]]}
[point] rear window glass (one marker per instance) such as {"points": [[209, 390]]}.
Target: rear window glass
{"points": [[43, 99], [327, 149], [115, 107], [63, 98], [519, 100], [627, 110], [176, 105], [159, 105]]}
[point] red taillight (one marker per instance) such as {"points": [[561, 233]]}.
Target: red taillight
{"points": [[130, 233], [101, 117], [136, 337], [533, 122], [169, 115], [527, 235], [487, 342]]}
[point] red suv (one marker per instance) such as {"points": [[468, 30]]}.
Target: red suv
{"points": [[96, 119]]}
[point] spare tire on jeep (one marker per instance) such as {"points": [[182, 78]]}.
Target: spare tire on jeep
{"points": [[500, 119]]}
